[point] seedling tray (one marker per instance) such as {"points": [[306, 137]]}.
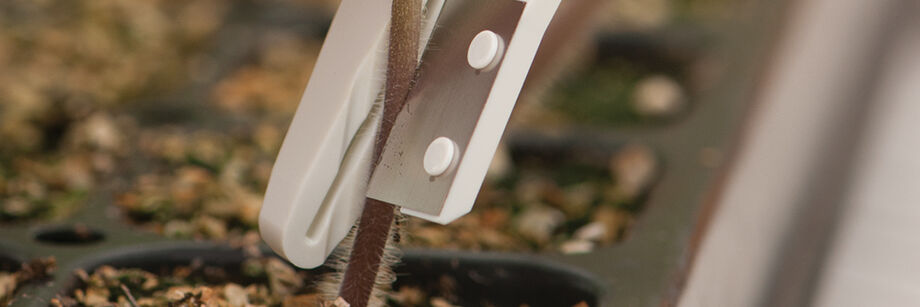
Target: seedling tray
{"points": [[647, 269]]}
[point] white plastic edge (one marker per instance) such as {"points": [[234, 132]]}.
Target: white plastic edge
{"points": [[476, 158], [317, 185]]}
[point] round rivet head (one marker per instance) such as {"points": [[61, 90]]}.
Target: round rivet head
{"points": [[439, 156], [485, 50]]}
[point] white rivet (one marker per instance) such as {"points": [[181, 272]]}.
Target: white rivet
{"points": [[484, 50], [439, 156]]}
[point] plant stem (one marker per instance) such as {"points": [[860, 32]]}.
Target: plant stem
{"points": [[375, 225]]}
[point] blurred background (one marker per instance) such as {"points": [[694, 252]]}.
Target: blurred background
{"points": [[178, 108], [165, 117]]}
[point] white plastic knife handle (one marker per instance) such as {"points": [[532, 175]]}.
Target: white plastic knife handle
{"points": [[315, 190]]}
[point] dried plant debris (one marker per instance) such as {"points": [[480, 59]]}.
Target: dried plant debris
{"points": [[68, 108], [210, 183], [36, 269], [258, 281], [570, 207], [255, 282], [51, 184], [204, 185], [59, 55], [270, 86], [61, 89]]}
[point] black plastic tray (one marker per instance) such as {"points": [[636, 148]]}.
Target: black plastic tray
{"points": [[647, 269]]}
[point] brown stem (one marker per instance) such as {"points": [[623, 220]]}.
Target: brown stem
{"points": [[367, 253], [402, 62], [377, 217]]}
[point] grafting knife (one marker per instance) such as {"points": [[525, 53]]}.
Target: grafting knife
{"points": [[476, 56]]}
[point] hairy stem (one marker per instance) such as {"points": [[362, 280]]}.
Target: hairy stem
{"points": [[377, 218]]}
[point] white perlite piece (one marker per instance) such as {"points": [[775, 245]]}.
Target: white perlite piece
{"points": [[538, 222], [658, 96]]}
